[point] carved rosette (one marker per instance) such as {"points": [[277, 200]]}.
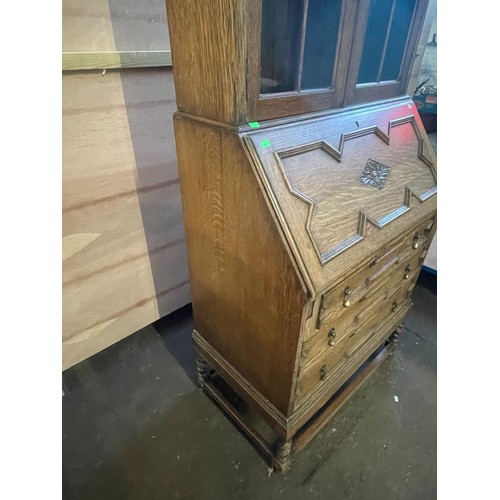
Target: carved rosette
{"points": [[374, 174]]}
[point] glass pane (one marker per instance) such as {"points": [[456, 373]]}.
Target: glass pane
{"points": [[373, 47], [321, 41], [396, 43], [280, 45]]}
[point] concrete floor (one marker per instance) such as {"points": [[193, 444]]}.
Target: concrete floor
{"points": [[135, 426]]}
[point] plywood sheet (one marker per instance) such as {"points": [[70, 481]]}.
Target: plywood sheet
{"points": [[111, 25], [124, 256]]}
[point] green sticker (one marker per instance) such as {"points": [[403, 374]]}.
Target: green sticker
{"points": [[254, 124], [265, 143]]}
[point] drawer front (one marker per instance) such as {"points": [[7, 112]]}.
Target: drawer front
{"points": [[376, 273], [329, 364], [314, 399], [333, 333]]}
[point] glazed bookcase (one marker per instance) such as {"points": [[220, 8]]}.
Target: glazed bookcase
{"points": [[309, 195]]}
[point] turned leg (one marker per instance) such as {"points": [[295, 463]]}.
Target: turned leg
{"points": [[202, 370], [394, 338], [283, 457]]}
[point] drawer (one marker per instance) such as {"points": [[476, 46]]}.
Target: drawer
{"points": [[334, 330], [331, 360], [373, 275]]}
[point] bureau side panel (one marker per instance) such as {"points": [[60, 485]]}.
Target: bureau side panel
{"points": [[247, 298]]}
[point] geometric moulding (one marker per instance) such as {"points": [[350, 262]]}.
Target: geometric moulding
{"points": [[320, 163]]}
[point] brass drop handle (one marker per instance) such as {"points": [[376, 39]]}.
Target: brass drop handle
{"points": [[416, 241], [394, 307], [407, 272], [347, 294], [322, 372], [331, 337]]}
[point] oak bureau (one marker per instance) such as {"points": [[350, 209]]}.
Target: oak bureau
{"points": [[309, 194]]}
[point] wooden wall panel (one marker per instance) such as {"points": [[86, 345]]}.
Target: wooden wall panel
{"points": [[124, 255], [109, 25]]}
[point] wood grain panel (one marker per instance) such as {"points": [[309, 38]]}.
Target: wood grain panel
{"points": [[110, 241], [113, 291], [340, 204], [247, 298], [109, 25], [209, 57], [312, 171], [120, 323], [124, 255]]}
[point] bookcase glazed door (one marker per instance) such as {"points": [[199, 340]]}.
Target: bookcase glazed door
{"points": [[383, 48], [320, 54], [303, 49]]}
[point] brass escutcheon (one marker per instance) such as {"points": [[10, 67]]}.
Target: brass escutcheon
{"points": [[416, 241], [322, 372], [347, 293]]}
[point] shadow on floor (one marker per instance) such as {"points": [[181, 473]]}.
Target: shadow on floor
{"points": [[175, 332], [135, 426]]}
